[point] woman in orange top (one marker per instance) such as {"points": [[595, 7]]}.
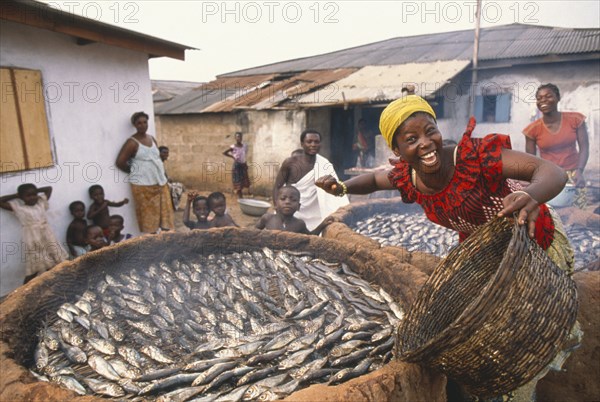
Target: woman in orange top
{"points": [[559, 135]]}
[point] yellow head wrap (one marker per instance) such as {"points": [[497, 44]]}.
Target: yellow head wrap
{"points": [[398, 111]]}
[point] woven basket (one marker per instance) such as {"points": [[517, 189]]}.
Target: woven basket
{"points": [[493, 314]]}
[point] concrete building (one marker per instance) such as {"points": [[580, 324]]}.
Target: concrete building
{"points": [[69, 86], [272, 104]]}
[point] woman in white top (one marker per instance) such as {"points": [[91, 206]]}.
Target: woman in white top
{"points": [[140, 158]]}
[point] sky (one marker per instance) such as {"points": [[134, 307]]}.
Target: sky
{"points": [[234, 35]]}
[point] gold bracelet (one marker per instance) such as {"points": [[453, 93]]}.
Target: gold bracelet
{"points": [[344, 189]]}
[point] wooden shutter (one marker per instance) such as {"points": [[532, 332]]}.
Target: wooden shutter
{"points": [[24, 134]]}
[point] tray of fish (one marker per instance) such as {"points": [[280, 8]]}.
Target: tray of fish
{"points": [[586, 245], [248, 325], [412, 231]]}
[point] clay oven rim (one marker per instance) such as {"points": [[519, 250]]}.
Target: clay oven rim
{"points": [[23, 309]]}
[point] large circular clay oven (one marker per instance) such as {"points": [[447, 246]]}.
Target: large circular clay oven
{"points": [[23, 311]]}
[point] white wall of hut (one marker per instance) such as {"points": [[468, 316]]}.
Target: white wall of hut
{"points": [[91, 92]]}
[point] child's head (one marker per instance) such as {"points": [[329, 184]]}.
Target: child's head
{"points": [[116, 224], [288, 201], [297, 152], [238, 137], [95, 237], [200, 208], [28, 193], [217, 203], [77, 209], [164, 152], [96, 193]]}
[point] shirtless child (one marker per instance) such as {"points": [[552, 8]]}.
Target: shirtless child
{"points": [[98, 211], [287, 203], [76, 230], [301, 171], [218, 206]]}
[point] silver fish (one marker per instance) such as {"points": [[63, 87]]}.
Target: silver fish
{"points": [[40, 356], [70, 336], [156, 354], [84, 305], [65, 315], [102, 346], [345, 348], [212, 372], [124, 370], [70, 383], [115, 332], [130, 355], [102, 367], [104, 388], [73, 353], [181, 395], [295, 359]]}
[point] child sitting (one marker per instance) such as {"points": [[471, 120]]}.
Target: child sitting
{"points": [[94, 238], [98, 211], [287, 203], [199, 204], [76, 229], [42, 249], [116, 224], [218, 204]]}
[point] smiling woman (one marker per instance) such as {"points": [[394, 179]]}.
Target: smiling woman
{"points": [[463, 186], [562, 138]]}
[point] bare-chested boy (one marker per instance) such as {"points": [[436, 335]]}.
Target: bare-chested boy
{"points": [[287, 203], [302, 171]]}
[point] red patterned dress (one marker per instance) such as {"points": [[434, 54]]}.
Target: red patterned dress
{"points": [[475, 192]]}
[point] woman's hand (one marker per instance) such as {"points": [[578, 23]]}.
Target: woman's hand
{"points": [[329, 184], [526, 207]]}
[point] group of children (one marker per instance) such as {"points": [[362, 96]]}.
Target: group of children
{"points": [[105, 228], [42, 250], [203, 206], [287, 203]]}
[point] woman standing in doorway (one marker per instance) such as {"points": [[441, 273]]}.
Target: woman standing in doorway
{"points": [[140, 158]]}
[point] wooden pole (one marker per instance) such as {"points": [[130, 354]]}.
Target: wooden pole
{"points": [[475, 62]]}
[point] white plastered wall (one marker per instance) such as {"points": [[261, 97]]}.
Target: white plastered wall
{"points": [[91, 92]]}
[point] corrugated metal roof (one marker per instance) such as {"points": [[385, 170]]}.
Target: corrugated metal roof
{"points": [[198, 99], [258, 92], [501, 42], [384, 83]]}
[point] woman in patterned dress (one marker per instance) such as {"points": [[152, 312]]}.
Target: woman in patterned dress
{"points": [[463, 186]]}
